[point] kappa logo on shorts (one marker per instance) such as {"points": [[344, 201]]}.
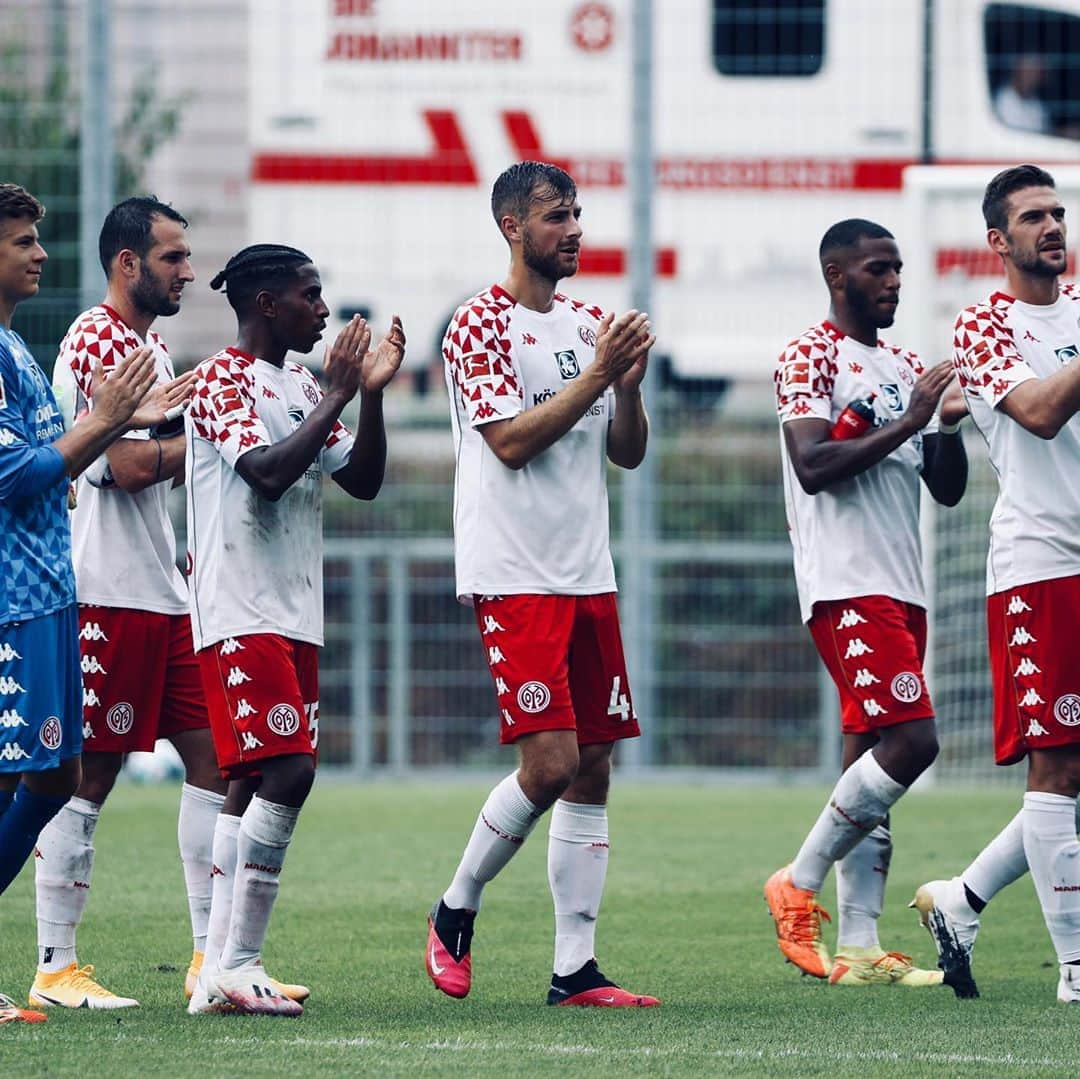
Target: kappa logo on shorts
{"points": [[865, 677], [906, 687], [1017, 606], [120, 717], [501, 687], [12, 751], [7, 653], [283, 720], [91, 665], [533, 697], [1067, 710], [249, 741], [11, 686], [90, 699], [1026, 666], [1035, 728], [1031, 698], [51, 733], [872, 708], [10, 718], [1021, 636], [87, 732], [849, 618], [857, 647], [507, 718]]}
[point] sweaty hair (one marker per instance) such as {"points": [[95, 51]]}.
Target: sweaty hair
{"points": [[516, 188], [127, 227], [17, 202], [847, 233], [261, 266], [995, 204]]}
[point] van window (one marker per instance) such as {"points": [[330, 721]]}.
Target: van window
{"points": [[768, 37], [1031, 73]]}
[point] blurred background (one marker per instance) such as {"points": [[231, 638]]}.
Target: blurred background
{"points": [[713, 144]]}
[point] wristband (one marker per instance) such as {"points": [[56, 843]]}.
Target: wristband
{"points": [[948, 428]]}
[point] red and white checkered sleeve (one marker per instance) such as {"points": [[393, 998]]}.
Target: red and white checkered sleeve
{"points": [[223, 410], [804, 378], [476, 350], [987, 361]]}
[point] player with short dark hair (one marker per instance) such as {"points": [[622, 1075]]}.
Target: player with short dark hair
{"points": [[853, 517], [140, 678], [261, 435], [543, 390], [1016, 354], [40, 680]]}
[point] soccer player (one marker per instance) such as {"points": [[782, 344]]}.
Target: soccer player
{"points": [[853, 514], [1016, 357], [542, 389], [261, 435], [40, 681], [140, 678]]}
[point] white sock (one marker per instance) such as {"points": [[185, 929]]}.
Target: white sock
{"points": [[1053, 853], [195, 834], [223, 880], [62, 881], [265, 831], [503, 825], [859, 802], [860, 889], [577, 866], [999, 863]]}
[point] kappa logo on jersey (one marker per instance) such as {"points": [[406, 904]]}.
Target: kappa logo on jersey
{"points": [[1021, 636], [249, 741], [51, 733], [477, 368], [1017, 606], [91, 665], [1029, 336], [1026, 667], [857, 647], [1035, 728], [13, 752], [248, 439], [872, 708], [587, 335], [10, 686], [243, 709], [230, 645], [237, 677], [528, 339], [1030, 699], [863, 677], [7, 437], [7, 653], [90, 699], [1067, 354], [849, 618], [855, 368], [533, 697], [1067, 710], [495, 655], [267, 392], [568, 363], [501, 687], [92, 631], [906, 687], [10, 718], [120, 717], [891, 393], [485, 410], [283, 719]]}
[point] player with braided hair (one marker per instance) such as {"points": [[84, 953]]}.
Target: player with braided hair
{"points": [[262, 434]]}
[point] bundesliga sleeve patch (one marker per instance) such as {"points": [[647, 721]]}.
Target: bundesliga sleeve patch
{"points": [[227, 400], [477, 368]]}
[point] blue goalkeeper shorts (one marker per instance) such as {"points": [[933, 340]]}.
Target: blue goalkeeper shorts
{"points": [[40, 692]]}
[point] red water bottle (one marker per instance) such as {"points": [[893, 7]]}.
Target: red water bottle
{"points": [[856, 419]]}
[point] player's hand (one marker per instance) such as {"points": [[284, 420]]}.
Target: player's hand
{"points": [[165, 403], [630, 380], [383, 361], [929, 387], [117, 395], [621, 342], [953, 404], [345, 358]]}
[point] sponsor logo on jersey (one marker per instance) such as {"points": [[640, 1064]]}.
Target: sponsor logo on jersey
{"points": [[7, 437], [90, 699], [237, 677], [857, 647], [283, 720], [51, 733], [120, 717], [891, 394], [249, 741], [495, 655], [10, 686], [13, 752], [587, 335], [1017, 606], [92, 631], [7, 653], [1026, 667], [533, 697], [230, 645], [477, 368], [864, 677], [568, 363], [850, 617], [1067, 353], [90, 665], [1067, 710], [243, 709], [906, 687], [1021, 636], [1035, 728], [10, 718], [872, 708], [543, 395]]}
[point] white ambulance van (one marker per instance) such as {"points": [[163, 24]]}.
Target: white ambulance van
{"points": [[378, 126]]}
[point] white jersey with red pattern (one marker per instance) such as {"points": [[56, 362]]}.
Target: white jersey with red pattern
{"points": [[1035, 526], [543, 528], [859, 537], [123, 545], [256, 565]]}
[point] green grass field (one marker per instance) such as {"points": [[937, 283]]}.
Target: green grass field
{"points": [[683, 918]]}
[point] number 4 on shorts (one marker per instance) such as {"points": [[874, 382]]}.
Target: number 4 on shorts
{"points": [[619, 705]]}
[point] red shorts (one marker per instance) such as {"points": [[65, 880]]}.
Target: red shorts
{"points": [[1033, 631], [558, 665], [873, 647], [262, 692], [140, 679]]}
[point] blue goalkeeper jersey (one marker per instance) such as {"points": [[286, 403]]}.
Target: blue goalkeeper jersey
{"points": [[36, 577]]}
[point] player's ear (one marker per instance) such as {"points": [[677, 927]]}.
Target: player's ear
{"points": [[266, 303], [833, 273], [996, 239], [126, 263], [510, 227]]}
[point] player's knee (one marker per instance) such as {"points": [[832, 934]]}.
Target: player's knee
{"points": [[288, 780], [99, 772]]}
